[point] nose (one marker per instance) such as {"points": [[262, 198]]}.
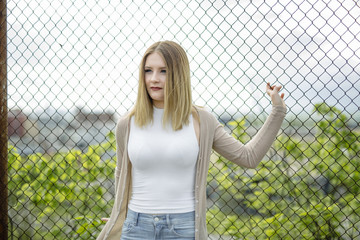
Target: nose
{"points": [[154, 77]]}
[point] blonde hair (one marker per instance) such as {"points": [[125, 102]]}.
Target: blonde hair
{"points": [[177, 99]]}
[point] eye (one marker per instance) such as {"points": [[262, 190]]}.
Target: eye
{"points": [[163, 71], [147, 70]]}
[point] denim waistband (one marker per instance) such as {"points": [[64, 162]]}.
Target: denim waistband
{"points": [[171, 218]]}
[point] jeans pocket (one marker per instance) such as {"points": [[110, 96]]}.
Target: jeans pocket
{"points": [[127, 227], [185, 230]]}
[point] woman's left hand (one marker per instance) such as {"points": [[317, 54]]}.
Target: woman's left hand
{"points": [[273, 92]]}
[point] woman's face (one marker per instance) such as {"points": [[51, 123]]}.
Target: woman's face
{"points": [[155, 78]]}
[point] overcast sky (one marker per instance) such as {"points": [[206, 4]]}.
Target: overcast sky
{"points": [[63, 54]]}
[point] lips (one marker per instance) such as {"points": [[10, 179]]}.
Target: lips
{"points": [[156, 88]]}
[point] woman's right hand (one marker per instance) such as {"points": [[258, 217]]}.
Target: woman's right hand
{"points": [[273, 92]]}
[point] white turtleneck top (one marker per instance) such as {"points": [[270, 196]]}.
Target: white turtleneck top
{"points": [[163, 167]]}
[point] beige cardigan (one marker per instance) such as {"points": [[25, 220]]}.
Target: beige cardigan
{"points": [[212, 136]]}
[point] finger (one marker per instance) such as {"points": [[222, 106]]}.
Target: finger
{"points": [[277, 88], [268, 87]]}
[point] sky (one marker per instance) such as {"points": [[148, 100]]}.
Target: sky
{"points": [[68, 54]]}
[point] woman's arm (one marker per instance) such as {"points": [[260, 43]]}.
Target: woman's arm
{"points": [[120, 136], [120, 133], [252, 153]]}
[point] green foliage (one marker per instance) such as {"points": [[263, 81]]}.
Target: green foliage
{"points": [[337, 149], [308, 190], [63, 195]]}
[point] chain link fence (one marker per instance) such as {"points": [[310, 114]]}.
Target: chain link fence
{"points": [[73, 70]]}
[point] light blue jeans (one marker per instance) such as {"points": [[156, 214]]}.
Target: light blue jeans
{"points": [[180, 226]]}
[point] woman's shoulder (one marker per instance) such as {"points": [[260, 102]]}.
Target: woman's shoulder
{"points": [[123, 121], [203, 113]]}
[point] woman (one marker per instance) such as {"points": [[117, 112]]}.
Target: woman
{"points": [[163, 152]]}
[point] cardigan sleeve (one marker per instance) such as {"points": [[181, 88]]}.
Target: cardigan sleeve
{"points": [[250, 154], [120, 135]]}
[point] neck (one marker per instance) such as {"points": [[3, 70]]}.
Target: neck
{"points": [[158, 104]]}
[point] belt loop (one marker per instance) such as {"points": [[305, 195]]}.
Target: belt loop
{"points": [[168, 221], [136, 218]]}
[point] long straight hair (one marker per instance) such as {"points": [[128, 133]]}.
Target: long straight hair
{"points": [[177, 99]]}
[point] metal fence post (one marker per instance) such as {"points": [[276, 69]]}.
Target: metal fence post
{"points": [[3, 125]]}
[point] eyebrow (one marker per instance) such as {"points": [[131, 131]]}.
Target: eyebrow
{"points": [[151, 67]]}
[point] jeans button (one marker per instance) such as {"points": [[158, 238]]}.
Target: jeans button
{"points": [[156, 219]]}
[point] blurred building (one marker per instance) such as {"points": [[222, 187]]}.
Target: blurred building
{"points": [[52, 131]]}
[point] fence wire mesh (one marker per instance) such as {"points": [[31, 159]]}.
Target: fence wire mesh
{"points": [[73, 70]]}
